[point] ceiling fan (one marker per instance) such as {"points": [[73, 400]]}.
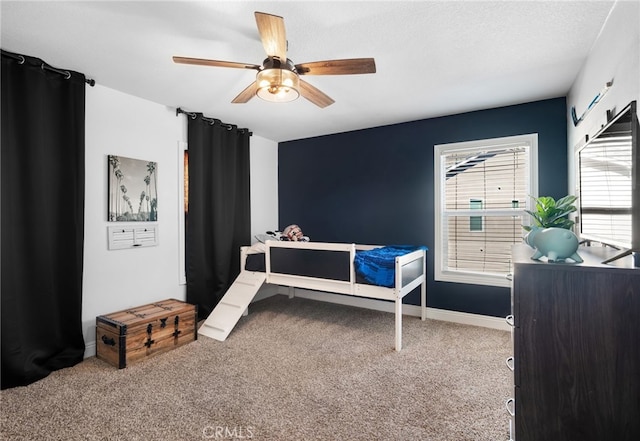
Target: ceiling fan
{"points": [[278, 79]]}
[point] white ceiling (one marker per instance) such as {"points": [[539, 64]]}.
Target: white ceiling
{"points": [[433, 58]]}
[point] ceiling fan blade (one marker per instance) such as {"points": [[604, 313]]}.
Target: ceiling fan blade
{"points": [[215, 63], [272, 34], [314, 95], [246, 94], [348, 66]]}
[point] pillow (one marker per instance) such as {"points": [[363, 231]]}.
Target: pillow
{"points": [[257, 248], [265, 237]]}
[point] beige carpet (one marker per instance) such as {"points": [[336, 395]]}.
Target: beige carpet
{"points": [[294, 369]]}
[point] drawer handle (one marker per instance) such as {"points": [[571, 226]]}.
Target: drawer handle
{"points": [[108, 341], [509, 320], [510, 363], [510, 405]]}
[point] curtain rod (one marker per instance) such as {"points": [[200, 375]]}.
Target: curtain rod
{"points": [[213, 121], [44, 66]]}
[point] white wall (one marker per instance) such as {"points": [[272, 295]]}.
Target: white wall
{"points": [[615, 56], [264, 186], [124, 125]]}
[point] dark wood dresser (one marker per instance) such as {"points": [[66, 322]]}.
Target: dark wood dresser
{"points": [[576, 338]]}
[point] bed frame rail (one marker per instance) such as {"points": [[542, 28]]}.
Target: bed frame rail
{"points": [[308, 282]]}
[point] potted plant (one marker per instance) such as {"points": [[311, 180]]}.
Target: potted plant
{"points": [[551, 235], [552, 213]]}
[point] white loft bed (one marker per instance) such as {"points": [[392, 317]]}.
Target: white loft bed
{"points": [[410, 271]]}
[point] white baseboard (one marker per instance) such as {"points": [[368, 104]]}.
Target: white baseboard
{"points": [[463, 318], [89, 349]]}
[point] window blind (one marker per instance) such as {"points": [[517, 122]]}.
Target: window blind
{"points": [[606, 188], [491, 184]]}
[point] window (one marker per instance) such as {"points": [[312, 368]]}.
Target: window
{"points": [[481, 191]]}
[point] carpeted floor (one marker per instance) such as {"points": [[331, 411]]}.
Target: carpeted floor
{"points": [[294, 369]]}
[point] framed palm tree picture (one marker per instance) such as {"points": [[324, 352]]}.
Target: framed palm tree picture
{"points": [[133, 190]]}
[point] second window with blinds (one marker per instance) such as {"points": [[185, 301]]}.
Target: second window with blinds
{"points": [[481, 191]]}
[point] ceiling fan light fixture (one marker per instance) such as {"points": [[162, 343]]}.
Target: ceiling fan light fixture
{"points": [[277, 85]]}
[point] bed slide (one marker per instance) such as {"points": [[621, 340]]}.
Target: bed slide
{"points": [[235, 302]]}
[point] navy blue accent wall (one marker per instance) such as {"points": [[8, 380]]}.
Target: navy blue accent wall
{"points": [[375, 186]]}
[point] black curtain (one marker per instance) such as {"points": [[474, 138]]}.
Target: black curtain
{"points": [[43, 189], [219, 212]]}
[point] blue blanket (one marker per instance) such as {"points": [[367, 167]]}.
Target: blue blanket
{"points": [[377, 266]]}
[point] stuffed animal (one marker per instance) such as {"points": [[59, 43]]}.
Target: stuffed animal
{"points": [[291, 233]]}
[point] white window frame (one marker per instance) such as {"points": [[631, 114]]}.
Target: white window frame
{"points": [[440, 215]]}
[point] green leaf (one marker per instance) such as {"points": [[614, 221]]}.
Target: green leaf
{"points": [[566, 202], [551, 213]]}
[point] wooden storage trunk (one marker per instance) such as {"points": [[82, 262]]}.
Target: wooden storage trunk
{"points": [[128, 336]]}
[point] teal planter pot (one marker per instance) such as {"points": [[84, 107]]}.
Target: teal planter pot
{"points": [[554, 243]]}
